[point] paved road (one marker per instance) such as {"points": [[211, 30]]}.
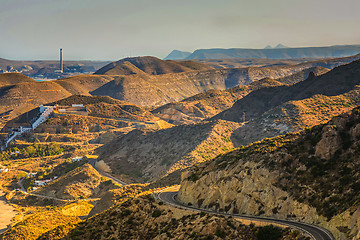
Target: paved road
{"points": [[92, 163], [316, 232], [22, 189]]}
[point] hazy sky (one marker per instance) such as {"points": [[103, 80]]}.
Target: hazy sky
{"points": [[113, 29]]}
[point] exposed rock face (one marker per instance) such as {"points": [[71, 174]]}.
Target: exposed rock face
{"points": [[330, 142], [250, 190], [312, 176]]}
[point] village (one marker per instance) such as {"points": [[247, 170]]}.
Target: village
{"points": [[45, 112]]}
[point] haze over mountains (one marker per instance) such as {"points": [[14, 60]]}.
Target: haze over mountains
{"points": [[259, 105], [279, 52], [145, 81]]}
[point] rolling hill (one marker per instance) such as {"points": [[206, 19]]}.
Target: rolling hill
{"points": [[212, 102], [14, 78], [141, 88], [142, 155], [338, 81], [149, 65]]}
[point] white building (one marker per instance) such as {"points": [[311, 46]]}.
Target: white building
{"points": [[76, 159]]}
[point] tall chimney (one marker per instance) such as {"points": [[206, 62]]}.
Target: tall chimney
{"points": [[61, 61]]}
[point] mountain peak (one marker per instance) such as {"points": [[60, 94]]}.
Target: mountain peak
{"points": [[281, 46], [177, 55]]}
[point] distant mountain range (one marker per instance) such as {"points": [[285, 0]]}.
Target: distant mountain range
{"points": [[278, 52]]}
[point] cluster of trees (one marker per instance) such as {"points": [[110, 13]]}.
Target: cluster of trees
{"points": [[34, 150]]}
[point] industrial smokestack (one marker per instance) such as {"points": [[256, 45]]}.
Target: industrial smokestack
{"points": [[61, 61]]}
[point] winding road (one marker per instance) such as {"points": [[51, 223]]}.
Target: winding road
{"points": [[23, 190], [170, 197], [92, 162], [317, 233]]}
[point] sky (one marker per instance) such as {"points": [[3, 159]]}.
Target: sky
{"points": [[114, 29]]}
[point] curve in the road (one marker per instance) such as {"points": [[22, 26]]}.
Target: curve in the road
{"points": [[316, 232], [92, 162]]}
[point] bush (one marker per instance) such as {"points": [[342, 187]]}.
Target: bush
{"points": [[220, 233], [269, 233], [156, 213]]}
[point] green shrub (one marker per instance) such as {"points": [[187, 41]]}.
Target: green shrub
{"points": [[156, 213], [269, 233]]}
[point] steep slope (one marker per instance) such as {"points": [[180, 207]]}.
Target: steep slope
{"points": [[338, 81], [149, 90], [177, 55], [212, 102], [277, 53], [310, 176], [146, 156], [149, 65]]}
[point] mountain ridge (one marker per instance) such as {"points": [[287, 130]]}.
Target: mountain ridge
{"points": [[276, 53]]}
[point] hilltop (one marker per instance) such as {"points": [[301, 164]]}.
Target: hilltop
{"points": [[311, 176], [149, 65], [14, 78], [176, 54], [25, 94]]}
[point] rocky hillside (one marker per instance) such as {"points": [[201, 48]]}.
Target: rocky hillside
{"points": [[141, 88], [149, 65], [151, 90], [82, 182], [147, 155], [311, 176], [278, 110], [340, 80], [212, 102], [144, 218]]}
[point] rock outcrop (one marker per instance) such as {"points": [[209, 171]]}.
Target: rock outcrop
{"points": [[312, 176]]}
